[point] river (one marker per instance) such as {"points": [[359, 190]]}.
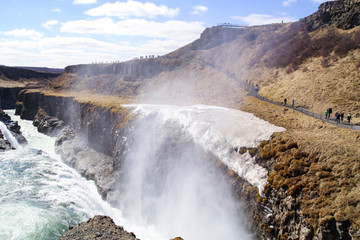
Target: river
{"points": [[40, 196], [169, 187]]}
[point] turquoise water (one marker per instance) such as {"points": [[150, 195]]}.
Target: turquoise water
{"points": [[170, 186], [39, 195]]}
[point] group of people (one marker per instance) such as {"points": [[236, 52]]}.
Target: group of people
{"points": [[339, 117]]}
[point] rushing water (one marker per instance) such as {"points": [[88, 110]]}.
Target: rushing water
{"points": [[170, 175], [39, 195], [169, 185]]}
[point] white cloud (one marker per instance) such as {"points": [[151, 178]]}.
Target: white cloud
{"points": [[48, 24], [28, 33], [58, 10], [63, 51], [84, 1], [132, 8], [82, 43], [188, 31], [287, 3], [261, 19], [199, 10]]}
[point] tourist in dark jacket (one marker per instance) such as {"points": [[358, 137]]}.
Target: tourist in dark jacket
{"points": [[349, 117], [330, 112]]}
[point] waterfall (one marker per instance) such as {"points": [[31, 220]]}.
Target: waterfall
{"points": [[8, 136], [169, 178]]}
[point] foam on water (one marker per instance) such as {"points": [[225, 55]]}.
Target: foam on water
{"points": [[169, 176], [40, 196], [219, 130]]}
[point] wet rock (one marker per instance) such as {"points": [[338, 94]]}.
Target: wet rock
{"points": [[98, 227], [4, 144], [13, 126], [328, 229], [4, 117], [47, 124], [89, 163]]}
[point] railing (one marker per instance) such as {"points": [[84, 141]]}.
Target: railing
{"points": [[322, 117]]}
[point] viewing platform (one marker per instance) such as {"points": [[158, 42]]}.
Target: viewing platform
{"points": [[230, 25]]}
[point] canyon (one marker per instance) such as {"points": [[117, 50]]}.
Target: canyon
{"points": [[311, 190]]}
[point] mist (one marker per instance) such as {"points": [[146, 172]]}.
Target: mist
{"points": [[170, 177]]}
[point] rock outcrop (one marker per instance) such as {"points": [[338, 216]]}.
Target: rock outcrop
{"points": [[14, 128], [4, 144], [343, 14], [47, 124], [89, 163], [8, 97], [216, 36], [98, 227]]}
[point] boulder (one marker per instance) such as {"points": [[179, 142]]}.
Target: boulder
{"points": [[98, 227]]}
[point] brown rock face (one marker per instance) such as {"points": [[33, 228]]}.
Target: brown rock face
{"points": [[98, 227], [343, 14]]}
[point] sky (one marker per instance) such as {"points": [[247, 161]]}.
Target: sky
{"points": [[58, 33]]}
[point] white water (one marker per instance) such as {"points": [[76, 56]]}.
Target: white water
{"points": [[171, 188], [170, 180], [8, 136], [218, 130], [39, 195]]}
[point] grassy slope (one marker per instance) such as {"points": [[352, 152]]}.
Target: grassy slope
{"points": [[331, 174], [319, 81]]}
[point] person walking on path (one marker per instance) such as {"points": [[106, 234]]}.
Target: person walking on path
{"points": [[326, 113], [341, 118], [293, 102], [349, 118], [285, 100], [337, 117], [330, 112]]}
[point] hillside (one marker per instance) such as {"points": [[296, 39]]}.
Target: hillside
{"points": [[314, 168], [317, 69], [26, 76]]}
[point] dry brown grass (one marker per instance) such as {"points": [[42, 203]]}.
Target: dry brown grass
{"points": [[318, 73], [323, 172]]}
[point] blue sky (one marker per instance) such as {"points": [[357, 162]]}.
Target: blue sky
{"points": [[58, 33]]}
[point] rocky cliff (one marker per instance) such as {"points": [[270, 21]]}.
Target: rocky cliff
{"points": [[343, 14], [94, 145], [14, 79]]}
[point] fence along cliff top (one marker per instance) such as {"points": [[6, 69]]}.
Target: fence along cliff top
{"points": [[230, 25]]}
